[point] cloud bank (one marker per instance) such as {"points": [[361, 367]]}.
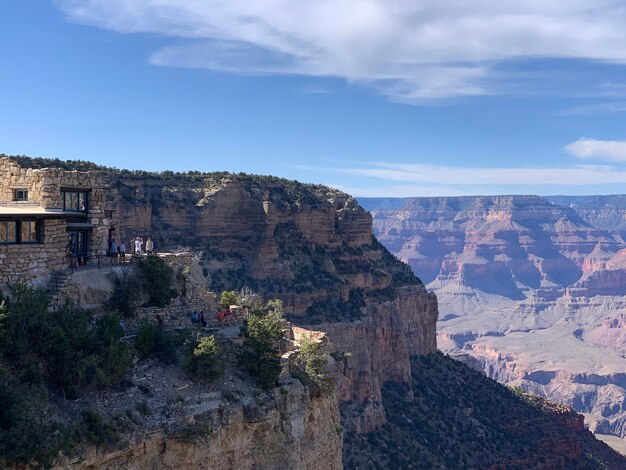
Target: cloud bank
{"points": [[470, 176], [410, 50], [608, 150]]}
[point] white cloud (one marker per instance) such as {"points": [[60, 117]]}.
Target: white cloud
{"points": [[416, 190], [608, 150], [610, 107], [438, 175], [410, 50]]}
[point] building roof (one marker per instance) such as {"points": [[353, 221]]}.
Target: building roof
{"points": [[30, 209]]}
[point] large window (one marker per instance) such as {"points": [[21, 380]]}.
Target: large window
{"points": [[8, 231], [75, 201], [20, 231], [29, 231]]}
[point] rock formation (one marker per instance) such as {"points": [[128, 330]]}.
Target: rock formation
{"points": [[287, 429], [529, 291], [311, 246]]}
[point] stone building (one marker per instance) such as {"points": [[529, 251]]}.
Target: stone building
{"points": [[47, 212]]}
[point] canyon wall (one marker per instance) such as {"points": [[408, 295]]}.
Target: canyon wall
{"points": [[530, 292], [605, 212], [288, 429], [310, 246]]}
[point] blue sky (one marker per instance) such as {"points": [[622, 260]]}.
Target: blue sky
{"points": [[380, 98]]}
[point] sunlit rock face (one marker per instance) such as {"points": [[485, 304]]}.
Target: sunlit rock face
{"points": [[309, 245], [531, 292]]}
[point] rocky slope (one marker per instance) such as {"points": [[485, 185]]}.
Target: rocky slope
{"points": [[530, 291], [284, 429], [604, 212], [452, 417], [310, 246]]}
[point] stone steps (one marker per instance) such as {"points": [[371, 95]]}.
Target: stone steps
{"points": [[58, 281]]}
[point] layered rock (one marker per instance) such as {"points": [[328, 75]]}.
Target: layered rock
{"points": [[287, 430], [528, 291], [498, 244], [310, 246], [604, 212]]}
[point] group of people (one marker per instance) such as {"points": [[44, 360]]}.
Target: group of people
{"points": [[137, 246], [119, 251], [198, 318]]}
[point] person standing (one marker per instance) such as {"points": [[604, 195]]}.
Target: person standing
{"points": [[114, 252], [123, 251], [149, 246]]}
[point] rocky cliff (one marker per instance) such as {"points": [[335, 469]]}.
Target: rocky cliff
{"points": [[310, 246], [531, 290], [285, 429], [604, 212]]}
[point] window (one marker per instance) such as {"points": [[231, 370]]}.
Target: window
{"points": [[75, 201], [8, 231], [29, 231], [20, 195], [20, 231]]}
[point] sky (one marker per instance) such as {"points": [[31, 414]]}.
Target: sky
{"points": [[375, 97]]}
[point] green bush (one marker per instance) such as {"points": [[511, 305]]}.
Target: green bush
{"points": [[262, 333], [202, 360], [112, 354], [157, 279], [60, 348], [229, 298], [312, 362], [94, 429], [154, 341], [27, 435], [126, 287]]}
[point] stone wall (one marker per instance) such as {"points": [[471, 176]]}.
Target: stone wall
{"points": [[36, 260], [45, 191], [14, 177]]}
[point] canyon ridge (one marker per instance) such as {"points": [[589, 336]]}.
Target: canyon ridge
{"points": [[531, 290]]}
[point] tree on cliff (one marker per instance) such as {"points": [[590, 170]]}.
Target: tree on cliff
{"points": [[158, 278], [262, 333], [202, 360]]}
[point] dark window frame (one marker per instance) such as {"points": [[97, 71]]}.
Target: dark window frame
{"points": [[20, 197], [18, 240], [81, 196], [37, 231], [15, 232]]}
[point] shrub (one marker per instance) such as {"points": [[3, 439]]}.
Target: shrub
{"points": [[124, 298], [60, 348], [262, 333], [157, 280], [312, 362], [154, 341], [202, 360], [113, 355], [27, 435], [229, 298], [249, 298], [95, 429]]}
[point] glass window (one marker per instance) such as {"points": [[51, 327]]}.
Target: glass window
{"points": [[75, 201], [21, 195], [29, 231], [8, 231]]}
